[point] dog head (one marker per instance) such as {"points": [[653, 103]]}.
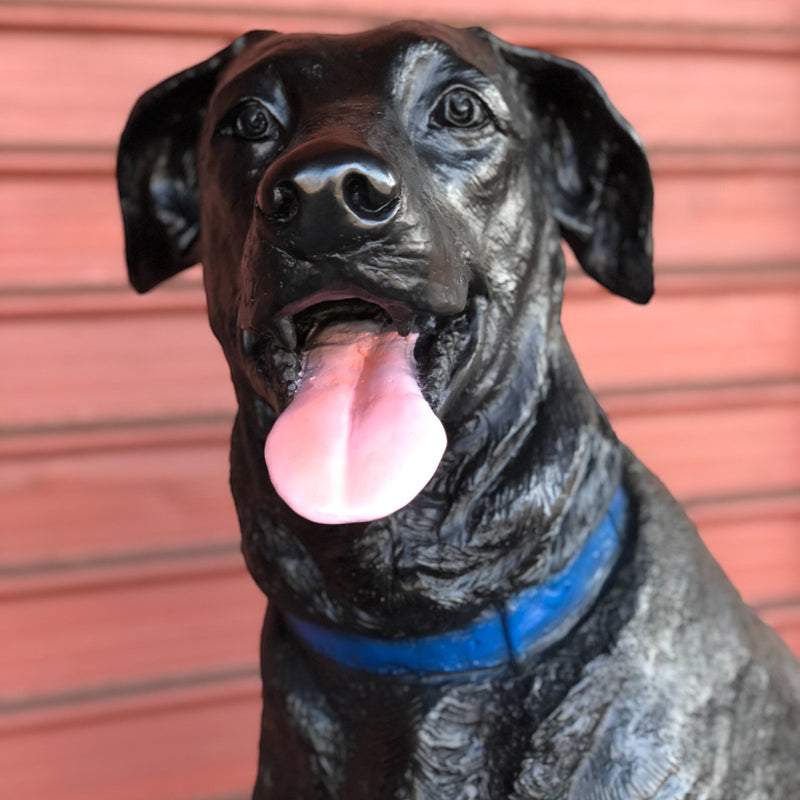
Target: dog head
{"points": [[406, 188]]}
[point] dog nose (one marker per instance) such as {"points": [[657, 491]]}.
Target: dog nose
{"points": [[320, 197], [365, 189]]}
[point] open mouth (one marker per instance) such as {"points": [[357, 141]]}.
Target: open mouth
{"points": [[442, 343], [312, 320], [357, 382]]}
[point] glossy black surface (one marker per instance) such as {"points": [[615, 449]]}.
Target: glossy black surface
{"points": [[427, 175]]}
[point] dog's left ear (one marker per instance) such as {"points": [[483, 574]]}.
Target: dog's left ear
{"points": [[157, 173], [596, 171]]}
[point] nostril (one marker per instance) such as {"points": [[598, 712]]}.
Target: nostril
{"points": [[285, 203], [369, 199]]}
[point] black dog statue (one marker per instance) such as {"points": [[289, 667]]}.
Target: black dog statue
{"points": [[476, 591]]}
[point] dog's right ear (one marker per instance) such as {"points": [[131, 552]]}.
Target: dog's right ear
{"points": [[157, 172], [595, 170]]}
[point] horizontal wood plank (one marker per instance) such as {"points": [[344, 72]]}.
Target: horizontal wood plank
{"points": [[745, 335], [785, 619], [226, 21], [77, 639], [148, 358], [83, 370], [130, 625], [756, 542], [704, 98], [61, 230], [169, 746], [89, 102], [65, 230], [174, 745], [725, 217], [60, 510], [713, 452], [672, 98], [83, 633], [748, 15]]}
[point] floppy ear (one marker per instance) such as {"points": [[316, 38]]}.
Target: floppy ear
{"points": [[157, 172], [595, 170]]}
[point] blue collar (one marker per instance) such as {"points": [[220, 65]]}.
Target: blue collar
{"points": [[528, 623]]}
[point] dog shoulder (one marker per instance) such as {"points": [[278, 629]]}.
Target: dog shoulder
{"points": [[693, 698]]}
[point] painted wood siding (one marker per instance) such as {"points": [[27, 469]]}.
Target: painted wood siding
{"points": [[129, 628]]}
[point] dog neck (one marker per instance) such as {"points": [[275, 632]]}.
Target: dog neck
{"points": [[482, 530], [526, 624]]}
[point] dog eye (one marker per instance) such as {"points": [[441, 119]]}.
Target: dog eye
{"points": [[250, 120], [460, 108]]}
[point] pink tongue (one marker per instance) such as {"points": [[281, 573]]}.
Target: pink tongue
{"points": [[358, 441]]}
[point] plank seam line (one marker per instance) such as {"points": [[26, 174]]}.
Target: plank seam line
{"points": [[113, 691], [605, 394], [100, 159], [321, 11], [123, 559], [669, 400], [638, 390], [190, 288], [742, 393], [118, 424], [51, 584], [77, 698], [788, 603], [187, 289], [226, 797], [64, 302], [703, 501], [66, 568]]}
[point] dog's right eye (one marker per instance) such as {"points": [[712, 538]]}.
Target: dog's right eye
{"points": [[250, 120], [460, 107]]}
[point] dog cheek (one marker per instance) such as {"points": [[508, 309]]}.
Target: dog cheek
{"points": [[448, 285], [223, 296], [499, 223], [227, 206]]}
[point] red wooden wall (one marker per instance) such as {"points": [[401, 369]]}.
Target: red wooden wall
{"points": [[129, 628]]}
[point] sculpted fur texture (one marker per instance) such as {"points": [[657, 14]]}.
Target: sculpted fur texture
{"points": [[475, 591]]}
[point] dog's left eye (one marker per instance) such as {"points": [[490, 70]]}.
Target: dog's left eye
{"points": [[460, 108], [250, 120]]}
